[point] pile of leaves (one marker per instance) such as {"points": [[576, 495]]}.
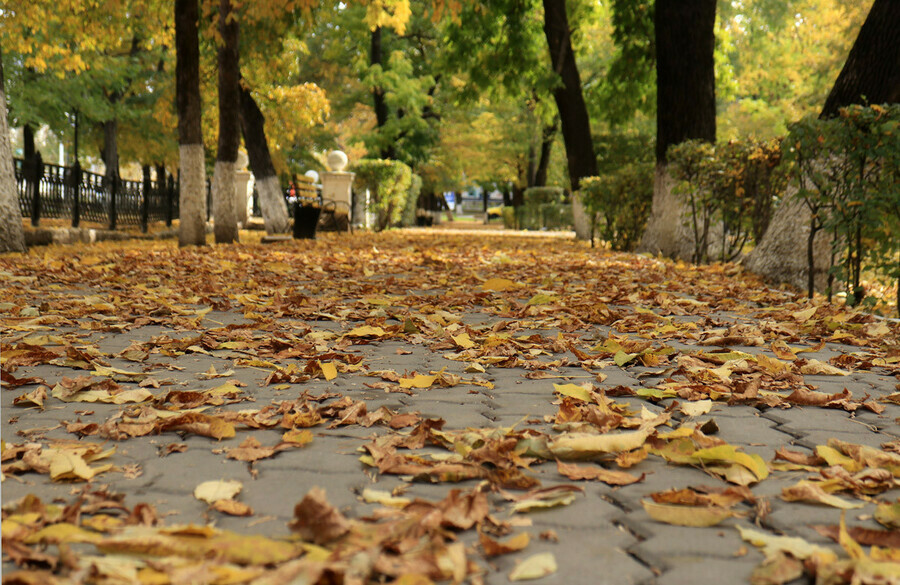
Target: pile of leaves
{"points": [[690, 337]]}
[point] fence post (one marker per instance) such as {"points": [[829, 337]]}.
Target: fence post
{"points": [[34, 180], [170, 200], [146, 188], [74, 186], [113, 186]]}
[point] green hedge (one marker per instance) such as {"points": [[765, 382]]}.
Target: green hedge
{"points": [[543, 208], [847, 170], [389, 183], [618, 204]]}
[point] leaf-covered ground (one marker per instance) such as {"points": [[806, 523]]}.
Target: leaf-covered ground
{"points": [[418, 408]]}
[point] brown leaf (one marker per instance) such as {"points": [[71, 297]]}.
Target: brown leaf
{"points": [[493, 548], [318, 521], [866, 536], [573, 471]]}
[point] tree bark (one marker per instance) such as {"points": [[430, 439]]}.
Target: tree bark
{"points": [[192, 170], [573, 115], [27, 142], [547, 136], [871, 74], [686, 109], [223, 188], [12, 235], [111, 147], [272, 204], [376, 57]]}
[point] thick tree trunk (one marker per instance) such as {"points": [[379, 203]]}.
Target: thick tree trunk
{"points": [[871, 74], [872, 71], [192, 169], [12, 236], [271, 201], [573, 115], [686, 109], [223, 188]]}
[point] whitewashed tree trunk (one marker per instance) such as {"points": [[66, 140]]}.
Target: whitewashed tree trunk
{"points": [[668, 230], [272, 205], [781, 256], [12, 236], [224, 202], [580, 217], [192, 200]]}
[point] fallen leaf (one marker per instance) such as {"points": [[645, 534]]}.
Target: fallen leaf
{"points": [[216, 490], [534, 567], [686, 515]]}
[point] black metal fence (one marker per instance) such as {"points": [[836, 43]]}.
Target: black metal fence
{"points": [[59, 192]]}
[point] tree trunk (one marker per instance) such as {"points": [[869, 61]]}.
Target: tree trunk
{"points": [[872, 71], [12, 235], [271, 203], [192, 169], [686, 109], [223, 187], [376, 57], [27, 142], [573, 115], [548, 135], [111, 147], [870, 75]]}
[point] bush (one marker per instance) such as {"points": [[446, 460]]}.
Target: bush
{"points": [[389, 182], [846, 170], [731, 187], [544, 208], [408, 217], [622, 200]]}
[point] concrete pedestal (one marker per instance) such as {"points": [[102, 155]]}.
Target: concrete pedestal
{"points": [[241, 186], [336, 186]]}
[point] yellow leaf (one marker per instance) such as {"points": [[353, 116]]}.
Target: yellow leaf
{"points": [[329, 370], [279, 267], [498, 284], [366, 331], [298, 437], [804, 315], [418, 381], [534, 567], [686, 515], [213, 491], [574, 391], [463, 340], [384, 498], [590, 446], [698, 408]]}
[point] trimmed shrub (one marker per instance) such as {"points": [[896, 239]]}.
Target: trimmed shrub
{"points": [[408, 217], [544, 208], [389, 182], [618, 204]]}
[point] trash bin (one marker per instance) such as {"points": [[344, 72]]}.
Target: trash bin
{"points": [[306, 217]]}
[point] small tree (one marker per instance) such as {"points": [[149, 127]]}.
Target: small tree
{"points": [[618, 203]]}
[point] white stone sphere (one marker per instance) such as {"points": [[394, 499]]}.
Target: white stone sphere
{"points": [[337, 160], [312, 175]]}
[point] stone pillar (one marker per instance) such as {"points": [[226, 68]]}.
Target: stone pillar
{"points": [[337, 184], [241, 186]]}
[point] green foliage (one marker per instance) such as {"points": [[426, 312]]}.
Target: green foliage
{"points": [[846, 172], [622, 199], [412, 200], [731, 189], [544, 208], [389, 182]]}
